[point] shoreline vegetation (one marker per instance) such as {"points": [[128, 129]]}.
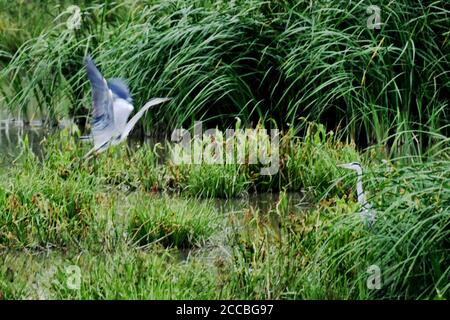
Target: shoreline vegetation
{"points": [[132, 224]]}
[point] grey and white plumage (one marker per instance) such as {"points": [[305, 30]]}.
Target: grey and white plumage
{"points": [[112, 105], [367, 213]]}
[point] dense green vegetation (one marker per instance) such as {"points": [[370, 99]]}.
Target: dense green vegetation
{"points": [[140, 226], [132, 232], [256, 59]]}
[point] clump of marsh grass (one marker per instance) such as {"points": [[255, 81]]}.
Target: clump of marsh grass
{"points": [[40, 205], [171, 222], [216, 181], [219, 164], [121, 166], [310, 162], [129, 274], [59, 200], [144, 275]]}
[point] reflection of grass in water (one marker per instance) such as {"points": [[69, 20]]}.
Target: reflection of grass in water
{"points": [[11, 136]]}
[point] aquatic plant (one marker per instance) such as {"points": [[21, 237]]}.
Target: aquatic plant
{"points": [[171, 222]]}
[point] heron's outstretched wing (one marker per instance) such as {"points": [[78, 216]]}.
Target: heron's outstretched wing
{"points": [[120, 88], [130, 125], [103, 116]]}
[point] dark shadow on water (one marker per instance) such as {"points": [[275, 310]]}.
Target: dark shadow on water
{"points": [[264, 202]]}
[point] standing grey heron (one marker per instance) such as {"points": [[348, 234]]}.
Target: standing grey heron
{"points": [[367, 212], [112, 106]]}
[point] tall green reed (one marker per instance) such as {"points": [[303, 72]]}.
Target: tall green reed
{"points": [[255, 60]]}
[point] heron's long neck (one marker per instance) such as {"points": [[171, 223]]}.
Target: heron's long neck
{"points": [[359, 188]]}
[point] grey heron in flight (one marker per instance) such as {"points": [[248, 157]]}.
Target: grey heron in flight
{"points": [[112, 106], [367, 212]]}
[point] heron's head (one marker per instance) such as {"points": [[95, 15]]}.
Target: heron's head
{"points": [[351, 166]]}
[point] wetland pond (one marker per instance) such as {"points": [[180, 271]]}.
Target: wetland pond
{"points": [[35, 268]]}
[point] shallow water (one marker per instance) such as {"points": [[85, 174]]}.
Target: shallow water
{"points": [[12, 134], [261, 202]]}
